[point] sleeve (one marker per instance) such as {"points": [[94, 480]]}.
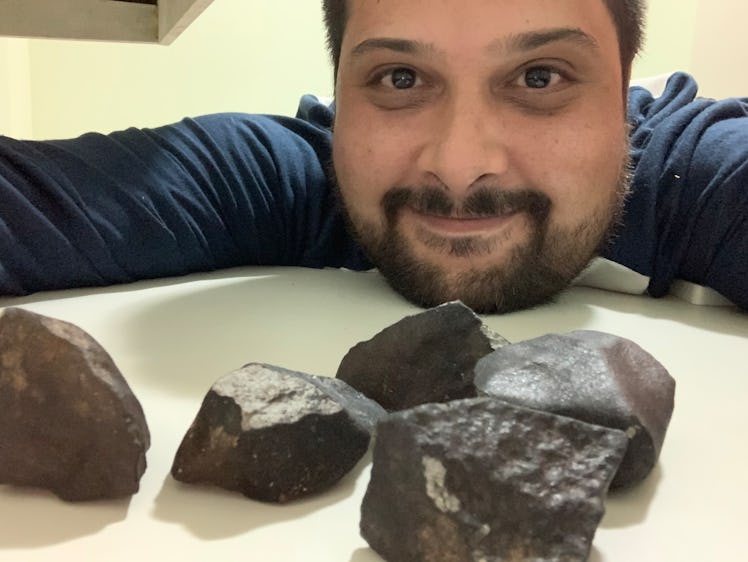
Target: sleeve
{"points": [[206, 193], [687, 216]]}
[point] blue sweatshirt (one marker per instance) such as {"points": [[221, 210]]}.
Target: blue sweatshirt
{"points": [[234, 189]]}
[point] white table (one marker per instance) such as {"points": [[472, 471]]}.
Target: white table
{"points": [[173, 338]]}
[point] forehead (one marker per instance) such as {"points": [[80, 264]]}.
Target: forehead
{"points": [[474, 24]]}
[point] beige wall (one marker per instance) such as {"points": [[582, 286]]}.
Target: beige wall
{"points": [[262, 55], [240, 55], [669, 37], [15, 88], [708, 38], [720, 49]]}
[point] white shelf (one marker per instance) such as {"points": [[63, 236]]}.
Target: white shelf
{"points": [[102, 20]]}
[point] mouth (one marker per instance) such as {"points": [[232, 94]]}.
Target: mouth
{"points": [[461, 225]]}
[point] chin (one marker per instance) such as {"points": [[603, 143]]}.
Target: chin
{"points": [[487, 290]]}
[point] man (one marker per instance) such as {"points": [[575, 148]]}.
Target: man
{"points": [[480, 152]]}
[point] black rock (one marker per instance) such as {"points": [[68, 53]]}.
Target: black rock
{"points": [[427, 357], [69, 422], [481, 479], [592, 376], [276, 435]]}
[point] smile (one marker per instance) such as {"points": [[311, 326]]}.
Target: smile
{"points": [[450, 226]]}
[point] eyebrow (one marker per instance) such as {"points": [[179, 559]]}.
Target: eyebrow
{"points": [[520, 42], [405, 46], [531, 40]]}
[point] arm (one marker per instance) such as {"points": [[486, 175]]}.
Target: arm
{"points": [[206, 193], [687, 217]]}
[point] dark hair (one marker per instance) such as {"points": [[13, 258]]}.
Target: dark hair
{"points": [[628, 17]]}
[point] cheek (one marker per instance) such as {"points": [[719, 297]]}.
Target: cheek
{"points": [[352, 165], [579, 169], [368, 159]]}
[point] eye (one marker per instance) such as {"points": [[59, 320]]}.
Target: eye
{"points": [[538, 78], [401, 79], [396, 86]]}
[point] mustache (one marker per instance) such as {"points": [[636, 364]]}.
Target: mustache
{"points": [[483, 202]]}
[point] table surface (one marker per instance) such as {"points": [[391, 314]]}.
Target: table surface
{"points": [[173, 338]]}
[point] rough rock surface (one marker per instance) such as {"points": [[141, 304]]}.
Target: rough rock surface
{"points": [[592, 376], [69, 422], [276, 435], [480, 479], [427, 357]]}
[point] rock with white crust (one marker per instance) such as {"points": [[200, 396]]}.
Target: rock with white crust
{"points": [[276, 435]]}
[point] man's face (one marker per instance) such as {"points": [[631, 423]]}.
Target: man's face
{"points": [[480, 146]]}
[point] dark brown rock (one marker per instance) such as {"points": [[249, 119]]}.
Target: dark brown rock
{"points": [[481, 479], [427, 357], [592, 376], [276, 435], [69, 422]]}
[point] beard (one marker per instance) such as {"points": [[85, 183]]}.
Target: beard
{"points": [[533, 273]]}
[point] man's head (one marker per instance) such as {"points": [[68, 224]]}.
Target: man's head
{"points": [[480, 146]]}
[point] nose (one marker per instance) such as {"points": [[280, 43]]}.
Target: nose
{"points": [[464, 145]]}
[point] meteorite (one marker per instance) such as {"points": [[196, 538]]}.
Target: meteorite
{"points": [[592, 376], [69, 422], [481, 479], [276, 435], [427, 357]]}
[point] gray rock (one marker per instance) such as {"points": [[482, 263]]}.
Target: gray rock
{"points": [[592, 376], [276, 435], [427, 357], [481, 479], [69, 422]]}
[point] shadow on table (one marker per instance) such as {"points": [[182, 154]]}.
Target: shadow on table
{"points": [[211, 513], [630, 507], [575, 308], [365, 555], [34, 518], [728, 320]]}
